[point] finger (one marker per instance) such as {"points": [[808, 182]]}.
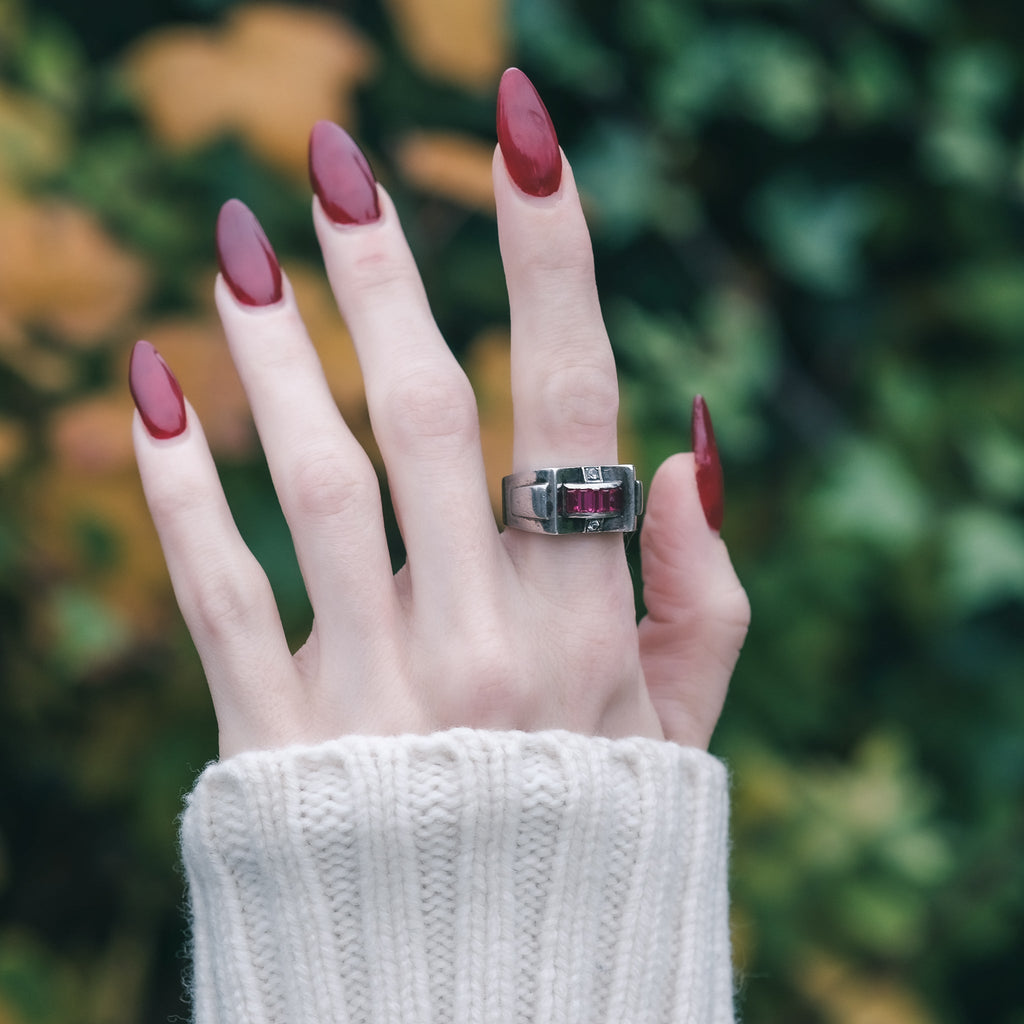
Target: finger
{"points": [[697, 611], [324, 480], [222, 592], [564, 386], [420, 402]]}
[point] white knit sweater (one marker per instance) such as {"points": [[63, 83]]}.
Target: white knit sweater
{"points": [[462, 877]]}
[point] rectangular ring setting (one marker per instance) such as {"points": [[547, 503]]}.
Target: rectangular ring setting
{"points": [[573, 499]]}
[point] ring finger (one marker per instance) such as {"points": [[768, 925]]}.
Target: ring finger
{"points": [[564, 386]]}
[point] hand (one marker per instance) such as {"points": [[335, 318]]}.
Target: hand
{"points": [[508, 630]]}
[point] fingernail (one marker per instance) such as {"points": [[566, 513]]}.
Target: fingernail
{"points": [[341, 176], [246, 257], [156, 392], [709, 467], [527, 137]]}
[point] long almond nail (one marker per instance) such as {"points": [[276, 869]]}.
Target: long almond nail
{"points": [[710, 485], [341, 176], [156, 392], [246, 256], [527, 137]]}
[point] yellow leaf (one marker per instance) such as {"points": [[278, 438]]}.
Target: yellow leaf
{"points": [[457, 167], [845, 996], [488, 366], [45, 370], [12, 443], [268, 74], [92, 437], [60, 271], [460, 41], [68, 505]]}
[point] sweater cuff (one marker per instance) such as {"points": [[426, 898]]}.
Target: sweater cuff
{"points": [[461, 876]]}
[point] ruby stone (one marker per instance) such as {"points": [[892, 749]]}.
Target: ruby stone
{"points": [[592, 501]]}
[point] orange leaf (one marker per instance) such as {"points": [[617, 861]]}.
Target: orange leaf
{"points": [[92, 437], [86, 519], [268, 74], [12, 443], [67, 506], [844, 996], [60, 271], [42, 368], [460, 41], [457, 167], [488, 367]]}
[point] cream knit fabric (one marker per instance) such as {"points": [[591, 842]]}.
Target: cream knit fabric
{"points": [[465, 876]]}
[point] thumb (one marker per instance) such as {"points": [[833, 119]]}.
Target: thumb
{"points": [[697, 611]]}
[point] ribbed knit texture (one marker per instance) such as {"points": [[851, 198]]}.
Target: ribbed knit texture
{"points": [[464, 877]]}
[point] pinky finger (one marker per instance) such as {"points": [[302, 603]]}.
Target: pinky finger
{"points": [[224, 595]]}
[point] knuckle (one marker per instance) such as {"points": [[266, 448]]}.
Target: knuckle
{"points": [[495, 696], [563, 259], [178, 499], [225, 601], [323, 484], [485, 685], [433, 405], [581, 396]]}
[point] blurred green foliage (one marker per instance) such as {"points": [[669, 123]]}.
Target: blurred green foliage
{"points": [[811, 212]]}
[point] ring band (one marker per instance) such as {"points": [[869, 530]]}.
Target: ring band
{"points": [[573, 499]]}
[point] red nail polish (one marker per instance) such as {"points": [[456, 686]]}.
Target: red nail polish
{"points": [[710, 486], [341, 176], [246, 257], [527, 137], [156, 392]]}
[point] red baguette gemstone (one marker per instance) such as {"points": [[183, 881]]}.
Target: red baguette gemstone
{"points": [[592, 501]]}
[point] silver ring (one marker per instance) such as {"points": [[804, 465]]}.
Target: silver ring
{"points": [[573, 499]]}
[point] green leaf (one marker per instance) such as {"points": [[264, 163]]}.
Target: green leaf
{"points": [[984, 555], [965, 152], [815, 233], [914, 14], [87, 632], [618, 173], [871, 495]]}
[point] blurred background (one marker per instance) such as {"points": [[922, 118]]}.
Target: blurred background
{"points": [[811, 211]]}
